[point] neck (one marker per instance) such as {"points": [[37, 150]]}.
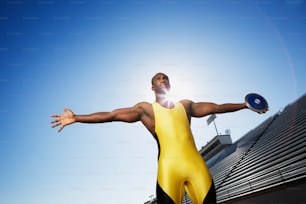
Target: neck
{"points": [[164, 100]]}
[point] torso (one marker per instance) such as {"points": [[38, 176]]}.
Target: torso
{"points": [[173, 127], [148, 118]]}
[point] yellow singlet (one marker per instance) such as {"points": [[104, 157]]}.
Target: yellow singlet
{"points": [[180, 165]]}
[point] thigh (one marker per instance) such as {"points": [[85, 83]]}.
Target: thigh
{"points": [[170, 187], [162, 197], [211, 197], [200, 195], [200, 185]]}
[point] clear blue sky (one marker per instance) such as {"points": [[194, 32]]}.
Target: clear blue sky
{"points": [[100, 55]]}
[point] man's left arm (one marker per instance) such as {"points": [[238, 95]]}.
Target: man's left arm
{"points": [[202, 109]]}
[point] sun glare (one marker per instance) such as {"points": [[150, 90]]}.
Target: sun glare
{"points": [[181, 88]]}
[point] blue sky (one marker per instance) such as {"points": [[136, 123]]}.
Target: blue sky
{"points": [[100, 55]]}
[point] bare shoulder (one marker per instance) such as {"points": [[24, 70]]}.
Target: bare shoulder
{"points": [[146, 115], [144, 107], [186, 102], [187, 105]]}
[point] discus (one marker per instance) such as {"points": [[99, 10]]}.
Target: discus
{"points": [[256, 103]]}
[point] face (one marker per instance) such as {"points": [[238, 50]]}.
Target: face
{"points": [[160, 83]]}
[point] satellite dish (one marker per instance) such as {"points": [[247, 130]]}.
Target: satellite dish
{"points": [[227, 131]]}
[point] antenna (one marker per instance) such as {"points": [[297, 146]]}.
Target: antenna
{"points": [[212, 118]]}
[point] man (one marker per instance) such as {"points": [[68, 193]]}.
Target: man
{"points": [[180, 166]]}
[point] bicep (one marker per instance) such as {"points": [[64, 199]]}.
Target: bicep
{"points": [[132, 114], [202, 109]]}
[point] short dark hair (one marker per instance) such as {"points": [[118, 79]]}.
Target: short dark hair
{"points": [[156, 75]]}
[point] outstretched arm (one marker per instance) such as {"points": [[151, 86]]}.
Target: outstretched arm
{"points": [[132, 114], [202, 109]]}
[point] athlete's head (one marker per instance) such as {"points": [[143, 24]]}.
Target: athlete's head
{"points": [[160, 83]]}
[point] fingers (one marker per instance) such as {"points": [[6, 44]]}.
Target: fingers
{"points": [[58, 121], [67, 110], [60, 129], [55, 115], [59, 115], [54, 121], [55, 125], [262, 112]]}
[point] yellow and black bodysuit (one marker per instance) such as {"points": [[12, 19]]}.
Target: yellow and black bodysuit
{"points": [[180, 165]]}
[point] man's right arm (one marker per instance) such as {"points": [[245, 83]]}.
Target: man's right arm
{"points": [[132, 114], [129, 115]]}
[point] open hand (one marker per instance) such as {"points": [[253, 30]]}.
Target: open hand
{"points": [[63, 119]]}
